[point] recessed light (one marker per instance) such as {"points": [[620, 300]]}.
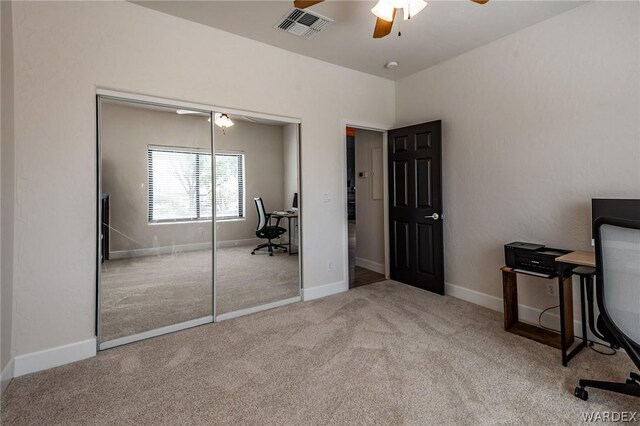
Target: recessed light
{"points": [[391, 65]]}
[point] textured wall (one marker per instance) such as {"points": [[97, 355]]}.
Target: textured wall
{"points": [[7, 169], [64, 50], [534, 126]]}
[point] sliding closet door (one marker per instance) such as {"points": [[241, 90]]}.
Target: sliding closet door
{"points": [[155, 226], [256, 159]]}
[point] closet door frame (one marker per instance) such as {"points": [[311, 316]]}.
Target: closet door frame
{"points": [[108, 94]]}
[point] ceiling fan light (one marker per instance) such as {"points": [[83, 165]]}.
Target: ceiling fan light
{"points": [[222, 120], [398, 4], [413, 8], [383, 10]]}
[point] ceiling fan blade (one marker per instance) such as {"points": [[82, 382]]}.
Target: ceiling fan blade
{"points": [[304, 4], [383, 28], [480, 1]]}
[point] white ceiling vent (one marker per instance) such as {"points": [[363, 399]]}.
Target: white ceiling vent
{"points": [[302, 23]]}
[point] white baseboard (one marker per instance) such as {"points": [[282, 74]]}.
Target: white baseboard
{"points": [[155, 251], [324, 290], [7, 376], [236, 243], [525, 313], [54, 357], [255, 309], [475, 297], [372, 266]]}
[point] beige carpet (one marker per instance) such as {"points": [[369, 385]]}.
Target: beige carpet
{"points": [[383, 353], [246, 280], [144, 293]]}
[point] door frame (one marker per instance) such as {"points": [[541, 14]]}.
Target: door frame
{"points": [[382, 128]]}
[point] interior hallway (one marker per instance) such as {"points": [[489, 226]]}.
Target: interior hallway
{"points": [[359, 276]]}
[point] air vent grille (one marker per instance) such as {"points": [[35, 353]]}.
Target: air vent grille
{"points": [[302, 23]]}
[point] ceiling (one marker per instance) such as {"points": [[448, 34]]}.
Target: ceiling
{"points": [[443, 30]]}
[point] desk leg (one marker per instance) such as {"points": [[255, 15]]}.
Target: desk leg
{"points": [[565, 291], [583, 311], [510, 298], [289, 236], [563, 343]]}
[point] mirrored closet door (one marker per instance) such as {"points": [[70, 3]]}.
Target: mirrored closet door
{"points": [[257, 215], [156, 214]]}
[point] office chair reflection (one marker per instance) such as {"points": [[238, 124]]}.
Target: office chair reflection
{"points": [[266, 231]]}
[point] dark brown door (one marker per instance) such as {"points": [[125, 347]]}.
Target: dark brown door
{"points": [[415, 206]]}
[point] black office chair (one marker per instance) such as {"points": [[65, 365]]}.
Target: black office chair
{"points": [[618, 295], [266, 231]]}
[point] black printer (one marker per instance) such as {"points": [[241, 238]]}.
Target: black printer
{"points": [[533, 259]]}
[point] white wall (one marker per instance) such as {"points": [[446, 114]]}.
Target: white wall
{"points": [[534, 126], [7, 181], [369, 212], [64, 50]]}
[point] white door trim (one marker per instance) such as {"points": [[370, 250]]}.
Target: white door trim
{"points": [[256, 309], [155, 332], [383, 128]]}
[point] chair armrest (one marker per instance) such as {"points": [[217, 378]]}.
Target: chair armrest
{"points": [[268, 217]]}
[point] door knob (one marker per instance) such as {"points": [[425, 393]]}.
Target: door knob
{"points": [[434, 216]]}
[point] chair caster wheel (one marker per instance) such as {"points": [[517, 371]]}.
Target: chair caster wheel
{"points": [[253, 252], [581, 393], [270, 254]]}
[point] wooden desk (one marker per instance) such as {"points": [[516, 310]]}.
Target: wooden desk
{"points": [[288, 216], [563, 340], [566, 263], [579, 258]]}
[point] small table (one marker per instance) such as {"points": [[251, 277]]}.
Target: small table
{"points": [[288, 216], [514, 325], [564, 340], [566, 264]]}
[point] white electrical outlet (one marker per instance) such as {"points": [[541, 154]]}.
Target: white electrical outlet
{"points": [[551, 289], [327, 197], [329, 266]]}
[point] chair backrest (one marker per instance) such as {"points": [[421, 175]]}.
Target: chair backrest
{"points": [[618, 276], [262, 214]]}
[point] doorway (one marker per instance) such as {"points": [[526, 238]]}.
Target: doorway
{"points": [[365, 206]]}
